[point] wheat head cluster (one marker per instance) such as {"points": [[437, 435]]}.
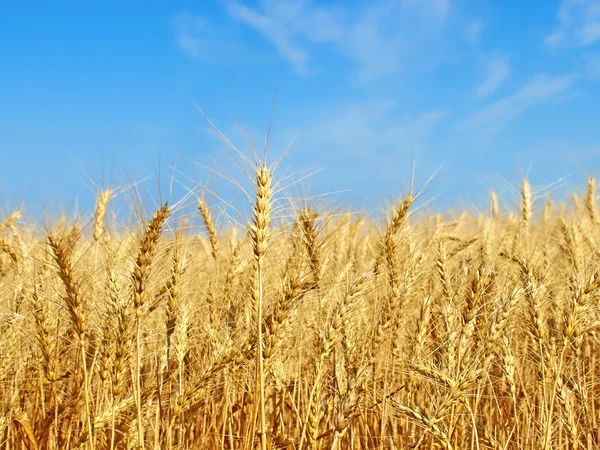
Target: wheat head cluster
{"points": [[310, 329]]}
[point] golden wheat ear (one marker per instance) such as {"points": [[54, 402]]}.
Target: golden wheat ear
{"points": [[526, 203], [140, 277], [260, 232], [147, 249], [494, 208], [10, 220], [591, 200], [209, 223], [311, 242], [100, 213]]}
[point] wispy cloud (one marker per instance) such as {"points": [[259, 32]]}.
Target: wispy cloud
{"points": [[361, 129], [382, 39], [540, 89], [202, 39], [372, 126], [472, 34], [497, 70], [396, 36], [367, 144], [580, 155], [592, 65], [289, 24], [578, 24]]}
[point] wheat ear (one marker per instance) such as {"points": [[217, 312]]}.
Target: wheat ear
{"points": [[140, 275], [9, 221], [260, 230], [590, 200], [100, 213], [309, 231], [209, 223], [62, 248]]}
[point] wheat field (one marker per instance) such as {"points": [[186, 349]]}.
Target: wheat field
{"points": [[303, 327]]}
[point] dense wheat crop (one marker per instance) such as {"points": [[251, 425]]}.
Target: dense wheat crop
{"points": [[303, 328]]}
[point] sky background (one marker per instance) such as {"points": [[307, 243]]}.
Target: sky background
{"points": [[479, 93]]}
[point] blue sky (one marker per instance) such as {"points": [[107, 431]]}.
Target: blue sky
{"points": [[479, 92]]}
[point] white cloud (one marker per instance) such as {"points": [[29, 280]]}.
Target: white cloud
{"points": [[592, 63], [364, 128], [473, 32], [590, 33], [287, 23], [381, 38], [365, 145], [203, 40], [578, 24], [497, 70], [541, 88]]}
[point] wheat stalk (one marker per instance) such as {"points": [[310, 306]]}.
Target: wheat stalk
{"points": [[261, 232]]}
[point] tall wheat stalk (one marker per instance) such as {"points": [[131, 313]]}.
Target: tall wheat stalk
{"points": [[260, 231], [140, 277], [62, 248]]}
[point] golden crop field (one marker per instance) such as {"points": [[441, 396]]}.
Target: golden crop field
{"points": [[303, 328]]}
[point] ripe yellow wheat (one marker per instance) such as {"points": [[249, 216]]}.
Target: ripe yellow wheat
{"points": [[304, 331]]}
